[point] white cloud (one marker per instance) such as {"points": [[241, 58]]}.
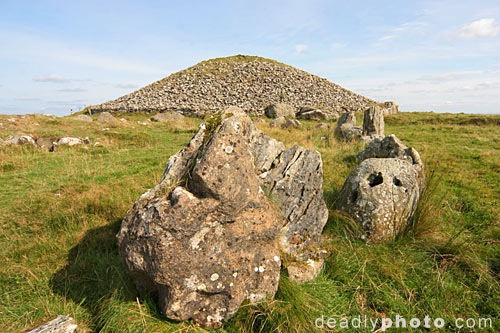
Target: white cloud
{"points": [[481, 28], [126, 85], [72, 90], [300, 48], [49, 78], [387, 37]]}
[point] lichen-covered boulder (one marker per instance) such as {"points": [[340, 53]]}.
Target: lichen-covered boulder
{"points": [[19, 140], [167, 116], [206, 238], [293, 178], [380, 195], [391, 147], [280, 110], [46, 143]]}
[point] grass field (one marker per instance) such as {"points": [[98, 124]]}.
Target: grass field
{"points": [[60, 211]]}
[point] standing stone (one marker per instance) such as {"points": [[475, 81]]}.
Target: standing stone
{"points": [[380, 195], [346, 127], [373, 122], [390, 108], [206, 238], [280, 110]]}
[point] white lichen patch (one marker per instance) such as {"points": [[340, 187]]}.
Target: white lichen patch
{"points": [[276, 258], [261, 269], [197, 238], [214, 277], [202, 287], [235, 274]]}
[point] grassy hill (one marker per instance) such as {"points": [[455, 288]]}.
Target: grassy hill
{"points": [[60, 211]]}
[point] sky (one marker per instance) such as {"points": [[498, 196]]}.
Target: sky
{"points": [[442, 56]]}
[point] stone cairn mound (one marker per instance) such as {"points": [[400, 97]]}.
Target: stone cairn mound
{"points": [[233, 206], [251, 83]]}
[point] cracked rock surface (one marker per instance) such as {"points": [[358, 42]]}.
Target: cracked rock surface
{"points": [[208, 237]]}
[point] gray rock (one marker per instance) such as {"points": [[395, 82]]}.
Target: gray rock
{"points": [[294, 180], [61, 324], [309, 113], [380, 195], [373, 122], [278, 122], [83, 117], [279, 110], [346, 127], [108, 119], [45, 143], [391, 147], [167, 116], [293, 123], [70, 141], [390, 108], [206, 238], [19, 140]]}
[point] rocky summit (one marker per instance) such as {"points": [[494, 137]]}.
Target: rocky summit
{"points": [[251, 83]]}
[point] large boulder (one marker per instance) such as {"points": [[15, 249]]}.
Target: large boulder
{"points": [[280, 110], [208, 237], [45, 143], [293, 123], [346, 127], [391, 147], [83, 117], [107, 119], [380, 195], [19, 140], [167, 116], [373, 121]]}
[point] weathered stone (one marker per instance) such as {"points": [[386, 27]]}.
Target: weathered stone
{"points": [[294, 180], [346, 127], [293, 123], [279, 110], [210, 242], [108, 119], [390, 108], [380, 195], [278, 122], [373, 122], [19, 140], [251, 83], [391, 147], [70, 141], [167, 116], [61, 324], [83, 117], [207, 237], [45, 143], [309, 113]]}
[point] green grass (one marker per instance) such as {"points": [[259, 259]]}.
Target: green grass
{"points": [[59, 213]]}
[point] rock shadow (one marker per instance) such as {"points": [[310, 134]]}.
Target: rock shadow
{"points": [[94, 272]]}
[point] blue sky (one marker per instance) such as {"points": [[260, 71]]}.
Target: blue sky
{"points": [[425, 55]]}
